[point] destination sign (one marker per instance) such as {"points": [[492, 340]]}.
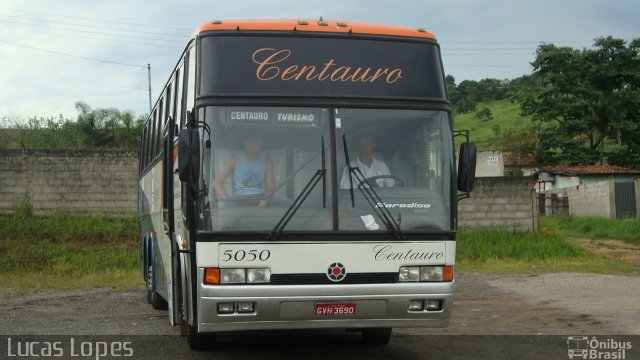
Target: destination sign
{"points": [[277, 116], [288, 66]]}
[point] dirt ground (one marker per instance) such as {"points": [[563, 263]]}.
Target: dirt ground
{"points": [[549, 304], [615, 249]]}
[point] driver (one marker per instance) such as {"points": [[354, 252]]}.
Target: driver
{"points": [[368, 165]]}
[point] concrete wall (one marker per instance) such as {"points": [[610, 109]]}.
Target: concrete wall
{"points": [[105, 182], [502, 202], [73, 181], [595, 199]]}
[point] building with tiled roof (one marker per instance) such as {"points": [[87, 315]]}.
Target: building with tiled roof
{"points": [[558, 177]]}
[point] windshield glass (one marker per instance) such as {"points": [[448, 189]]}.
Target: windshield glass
{"points": [[264, 161], [405, 156], [260, 161]]}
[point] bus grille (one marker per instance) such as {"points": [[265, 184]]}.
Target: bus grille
{"points": [[318, 279]]}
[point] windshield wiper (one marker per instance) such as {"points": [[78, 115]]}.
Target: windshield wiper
{"points": [[372, 197], [311, 184]]}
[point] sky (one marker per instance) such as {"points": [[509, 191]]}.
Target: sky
{"points": [[54, 53]]}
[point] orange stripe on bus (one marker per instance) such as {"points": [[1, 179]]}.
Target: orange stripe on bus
{"points": [[175, 154], [314, 26]]}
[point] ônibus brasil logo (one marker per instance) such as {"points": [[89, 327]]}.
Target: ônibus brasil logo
{"points": [[581, 347], [336, 272]]}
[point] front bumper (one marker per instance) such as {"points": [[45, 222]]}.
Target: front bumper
{"points": [[293, 306]]}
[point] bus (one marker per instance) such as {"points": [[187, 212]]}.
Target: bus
{"points": [[301, 174]]}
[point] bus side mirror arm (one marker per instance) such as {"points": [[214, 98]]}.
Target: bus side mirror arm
{"points": [[188, 155]]}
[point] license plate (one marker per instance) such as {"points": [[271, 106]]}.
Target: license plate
{"points": [[335, 309]]}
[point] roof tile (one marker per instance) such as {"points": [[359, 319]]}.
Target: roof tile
{"points": [[590, 170]]}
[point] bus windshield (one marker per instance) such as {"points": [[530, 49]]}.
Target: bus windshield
{"points": [[264, 160]]}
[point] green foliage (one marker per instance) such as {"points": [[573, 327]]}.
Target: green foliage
{"points": [[627, 230], [483, 114], [497, 251], [62, 249], [492, 244], [465, 97], [23, 210], [590, 98], [500, 133], [93, 128]]}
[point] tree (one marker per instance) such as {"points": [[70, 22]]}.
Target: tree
{"points": [[102, 127], [483, 114], [591, 100]]}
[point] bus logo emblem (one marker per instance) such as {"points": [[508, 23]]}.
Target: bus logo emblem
{"points": [[336, 272]]}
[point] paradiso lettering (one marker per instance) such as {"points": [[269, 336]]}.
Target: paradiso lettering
{"points": [[272, 66]]}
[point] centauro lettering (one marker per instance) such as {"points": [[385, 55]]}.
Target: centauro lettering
{"points": [[385, 252], [249, 115], [270, 68]]}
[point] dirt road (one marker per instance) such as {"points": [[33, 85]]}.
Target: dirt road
{"points": [[549, 304]]}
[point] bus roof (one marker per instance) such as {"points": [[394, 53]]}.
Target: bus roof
{"points": [[326, 26]]}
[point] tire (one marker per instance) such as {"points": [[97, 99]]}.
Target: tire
{"points": [[376, 336], [199, 341], [156, 301]]}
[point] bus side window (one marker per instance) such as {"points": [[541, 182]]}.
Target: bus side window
{"points": [[169, 103], [179, 97], [159, 121], [152, 134], [191, 79]]}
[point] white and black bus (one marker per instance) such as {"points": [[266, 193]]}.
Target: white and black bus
{"points": [[301, 174]]}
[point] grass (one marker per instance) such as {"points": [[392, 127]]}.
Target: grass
{"points": [[627, 230], [70, 252], [64, 252], [506, 115], [498, 251]]}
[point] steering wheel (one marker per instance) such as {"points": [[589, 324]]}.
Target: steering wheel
{"points": [[372, 180]]}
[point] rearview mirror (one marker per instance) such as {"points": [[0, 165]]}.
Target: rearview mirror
{"points": [[188, 154], [467, 167]]}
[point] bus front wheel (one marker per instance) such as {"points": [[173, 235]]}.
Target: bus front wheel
{"points": [[198, 341], [376, 336]]}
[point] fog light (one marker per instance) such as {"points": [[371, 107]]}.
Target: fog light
{"points": [[409, 273], [225, 308], [245, 307], [434, 305], [416, 305]]}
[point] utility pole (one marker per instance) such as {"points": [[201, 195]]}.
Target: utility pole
{"points": [[149, 78]]}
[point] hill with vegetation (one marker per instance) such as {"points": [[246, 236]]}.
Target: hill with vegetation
{"points": [[490, 122]]}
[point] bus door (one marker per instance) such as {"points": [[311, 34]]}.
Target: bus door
{"points": [[173, 279]]}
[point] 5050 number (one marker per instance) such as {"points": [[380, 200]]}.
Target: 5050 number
{"points": [[250, 255]]}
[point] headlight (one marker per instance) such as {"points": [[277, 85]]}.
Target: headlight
{"points": [[255, 276], [409, 273], [431, 273], [426, 273], [232, 276]]}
